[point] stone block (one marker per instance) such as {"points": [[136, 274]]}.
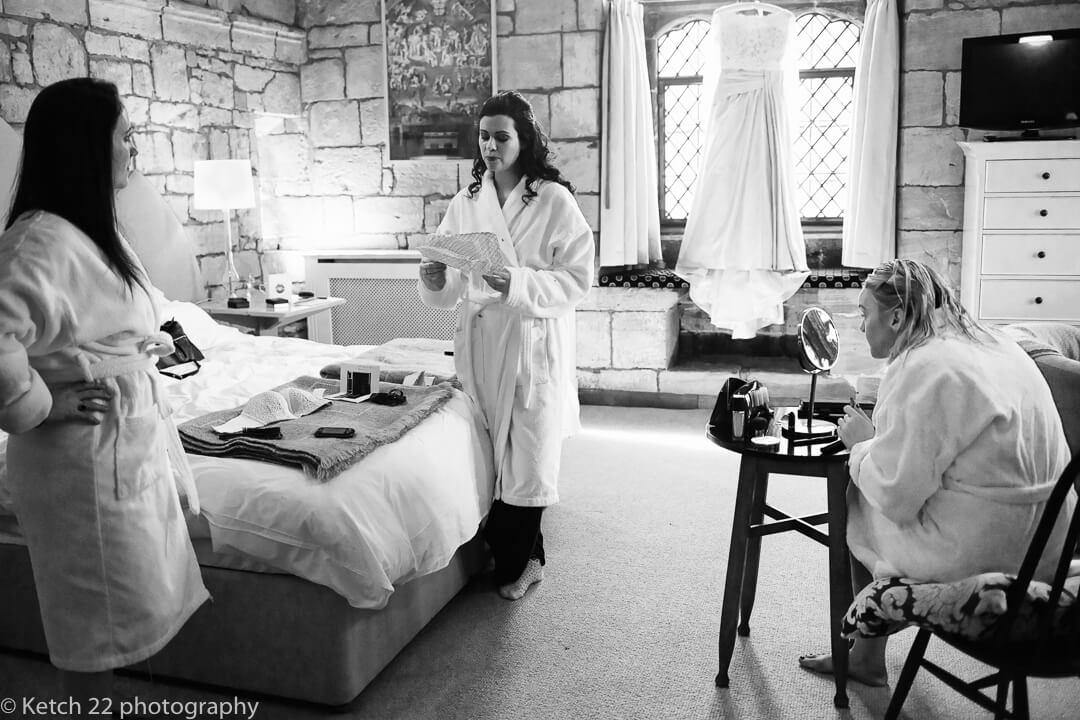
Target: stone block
{"points": [[251, 79], [590, 208], [580, 163], [931, 208], [923, 98], [543, 17], [282, 95], [338, 36], [434, 210], [138, 110], [941, 249], [118, 73], [374, 123], [283, 11], [142, 80], [588, 379], [290, 47], [591, 14], [21, 67], [349, 171], [182, 184], [215, 117], [609, 299], [212, 89], [57, 54], [530, 62], [155, 153], [283, 157], [5, 64], [575, 113], [169, 65], [98, 44], [931, 156], [128, 17], [504, 25], [323, 80], [541, 105], [292, 217], [339, 12], [642, 380], [134, 49], [593, 339], [196, 27], [694, 382], [931, 39], [423, 177], [335, 123], [65, 11], [644, 339], [253, 39], [15, 102], [10, 27], [364, 72], [389, 214], [581, 59], [183, 115], [1027, 17]]}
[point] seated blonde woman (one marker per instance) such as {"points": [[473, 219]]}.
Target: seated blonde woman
{"points": [[950, 478]]}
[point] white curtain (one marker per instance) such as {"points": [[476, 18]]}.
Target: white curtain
{"points": [[629, 209], [870, 216]]}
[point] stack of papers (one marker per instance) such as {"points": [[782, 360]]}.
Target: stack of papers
{"points": [[466, 252]]}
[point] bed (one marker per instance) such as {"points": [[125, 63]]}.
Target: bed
{"points": [[315, 586]]}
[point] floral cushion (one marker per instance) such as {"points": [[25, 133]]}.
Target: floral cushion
{"points": [[969, 608]]}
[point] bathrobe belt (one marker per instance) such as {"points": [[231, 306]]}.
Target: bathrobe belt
{"points": [[141, 357], [524, 347]]}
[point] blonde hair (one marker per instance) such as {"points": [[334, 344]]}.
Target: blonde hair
{"points": [[927, 302]]}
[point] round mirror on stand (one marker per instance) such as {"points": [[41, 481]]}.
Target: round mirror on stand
{"points": [[819, 346]]}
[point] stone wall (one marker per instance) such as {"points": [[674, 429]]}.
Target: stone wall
{"points": [[930, 193], [197, 79]]}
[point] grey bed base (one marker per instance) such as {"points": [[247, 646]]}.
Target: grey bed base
{"points": [[263, 633]]}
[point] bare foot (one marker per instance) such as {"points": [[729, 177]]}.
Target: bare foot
{"points": [[534, 573], [874, 677]]}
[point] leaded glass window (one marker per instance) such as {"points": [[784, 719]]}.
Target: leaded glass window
{"points": [[828, 49]]}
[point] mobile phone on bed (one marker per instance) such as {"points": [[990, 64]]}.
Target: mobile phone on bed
{"points": [[335, 432]]}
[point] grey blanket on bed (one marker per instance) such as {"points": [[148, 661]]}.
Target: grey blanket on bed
{"points": [[323, 458]]}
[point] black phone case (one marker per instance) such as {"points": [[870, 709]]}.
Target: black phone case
{"points": [[335, 432]]}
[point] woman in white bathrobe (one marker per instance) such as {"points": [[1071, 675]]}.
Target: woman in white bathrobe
{"points": [[950, 478], [92, 454], [514, 346]]}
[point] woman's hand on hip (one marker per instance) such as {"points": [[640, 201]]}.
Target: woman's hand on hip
{"points": [[81, 402], [433, 275], [854, 427], [499, 280]]}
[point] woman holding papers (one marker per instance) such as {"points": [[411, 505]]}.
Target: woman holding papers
{"points": [[514, 346]]}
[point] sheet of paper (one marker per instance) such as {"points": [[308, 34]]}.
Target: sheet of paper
{"points": [[466, 252]]}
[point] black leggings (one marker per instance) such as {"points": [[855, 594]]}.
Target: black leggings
{"points": [[513, 534]]}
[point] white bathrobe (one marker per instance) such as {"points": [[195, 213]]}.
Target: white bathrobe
{"points": [[114, 568], [968, 445], [515, 356]]}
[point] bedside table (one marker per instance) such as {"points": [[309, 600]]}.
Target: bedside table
{"points": [[268, 319]]}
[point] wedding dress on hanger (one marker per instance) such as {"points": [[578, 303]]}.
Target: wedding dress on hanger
{"points": [[743, 251]]}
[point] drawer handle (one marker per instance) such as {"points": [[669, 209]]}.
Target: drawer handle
{"points": [[1038, 301], [1046, 176], [1044, 212], [1041, 254]]}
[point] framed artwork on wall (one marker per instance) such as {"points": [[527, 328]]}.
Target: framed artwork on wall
{"points": [[440, 67]]}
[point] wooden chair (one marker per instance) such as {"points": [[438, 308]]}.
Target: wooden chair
{"points": [[1020, 627]]}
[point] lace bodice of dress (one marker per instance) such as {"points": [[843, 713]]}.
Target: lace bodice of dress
{"points": [[751, 41]]}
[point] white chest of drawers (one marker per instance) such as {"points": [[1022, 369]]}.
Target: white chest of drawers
{"points": [[1021, 251]]}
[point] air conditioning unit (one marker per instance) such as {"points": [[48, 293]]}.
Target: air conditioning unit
{"points": [[382, 303]]}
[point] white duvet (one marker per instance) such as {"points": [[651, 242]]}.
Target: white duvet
{"points": [[400, 513]]}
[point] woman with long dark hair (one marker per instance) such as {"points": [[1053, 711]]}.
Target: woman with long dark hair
{"points": [[93, 459], [514, 347]]}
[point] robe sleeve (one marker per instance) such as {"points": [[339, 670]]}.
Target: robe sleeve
{"points": [[32, 311], [456, 282], [937, 411], [552, 291]]}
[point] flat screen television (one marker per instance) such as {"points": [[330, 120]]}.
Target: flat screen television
{"points": [[1028, 82]]}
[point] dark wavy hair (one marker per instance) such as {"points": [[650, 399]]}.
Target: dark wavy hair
{"points": [[66, 165], [535, 157]]}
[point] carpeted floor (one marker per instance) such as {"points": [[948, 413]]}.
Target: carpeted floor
{"points": [[625, 623]]}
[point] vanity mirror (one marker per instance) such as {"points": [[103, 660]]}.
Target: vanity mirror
{"points": [[819, 347]]}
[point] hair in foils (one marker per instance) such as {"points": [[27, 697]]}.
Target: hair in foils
{"points": [[535, 157], [66, 166], [926, 300]]}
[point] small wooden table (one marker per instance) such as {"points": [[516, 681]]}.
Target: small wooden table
{"points": [[268, 319], [748, 528]]}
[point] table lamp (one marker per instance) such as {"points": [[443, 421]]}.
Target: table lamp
{"points": [[225, 185]]}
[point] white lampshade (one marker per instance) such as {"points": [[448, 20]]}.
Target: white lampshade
{"points": [[223, 185]]}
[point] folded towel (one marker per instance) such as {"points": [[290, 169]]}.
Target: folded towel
{"points": [[323, 458]]}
